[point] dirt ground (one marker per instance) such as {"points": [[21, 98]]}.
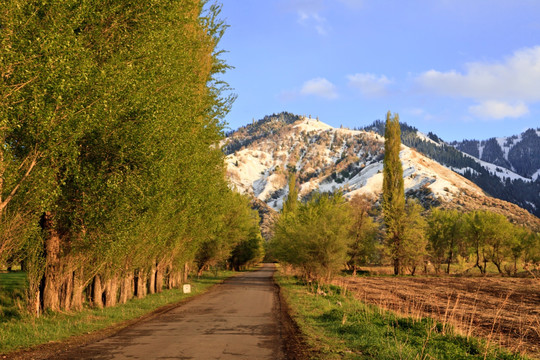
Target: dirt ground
{"points": [[502, 310]]}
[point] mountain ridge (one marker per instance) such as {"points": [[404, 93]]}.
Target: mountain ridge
{"points": [[327, 159], [496, 180]]}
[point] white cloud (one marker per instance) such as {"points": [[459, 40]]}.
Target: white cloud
{"points": [[313, 19], [319, 87], [515, 79], [498, 110], [369, 85]]}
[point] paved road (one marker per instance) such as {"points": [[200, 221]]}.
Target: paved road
{"points": [[237, 320]]}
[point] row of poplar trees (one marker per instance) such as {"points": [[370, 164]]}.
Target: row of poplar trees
{"points": [[111, 177]]}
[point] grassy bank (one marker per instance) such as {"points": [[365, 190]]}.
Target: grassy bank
{"points": [[19, 330], [337, 326]]}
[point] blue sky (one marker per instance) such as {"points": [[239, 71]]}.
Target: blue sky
{"points": [[460, 68]]}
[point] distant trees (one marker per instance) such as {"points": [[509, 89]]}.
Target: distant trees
{"points": [[446, 234], [313, 236], [363, 232]]}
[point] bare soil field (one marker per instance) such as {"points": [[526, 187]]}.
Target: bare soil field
{"points": [[502, 310]]}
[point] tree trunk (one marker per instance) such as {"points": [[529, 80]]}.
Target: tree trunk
{"points": [[152, 279], [478, 260], [186, 273], [126, 288], [111, 291], [159, 278], [498, 265], [67, 292], [450, 256], [78, 288], [175, 279], [34, 303], [396, 266], [52, 251], [97, 293], [140, 284]]}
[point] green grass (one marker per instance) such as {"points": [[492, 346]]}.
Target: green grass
{"points": [[12, 294], [25, 331], [338, 326]]}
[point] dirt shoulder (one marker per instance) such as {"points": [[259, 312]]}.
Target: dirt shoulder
{"points": [[294, 344]]}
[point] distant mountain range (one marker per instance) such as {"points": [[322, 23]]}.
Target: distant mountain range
{"points": [[506, 168], [328, 159]]}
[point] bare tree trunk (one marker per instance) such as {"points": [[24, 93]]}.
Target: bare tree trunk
{"points": [[141, 284], [152, 279], [449, 261], [111, 291], [52, 251], [34, 303], [126, 288], [396, 266], [159, 278], [97, 293], [186, 273], [67, 291], [78, 288]]}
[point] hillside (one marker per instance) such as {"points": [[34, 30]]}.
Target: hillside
{"points": [[505, 168], [328, 159], [518, 153]]}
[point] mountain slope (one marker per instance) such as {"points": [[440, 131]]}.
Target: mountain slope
{"points": [[328, 159], [519, 153], [495, 180]]}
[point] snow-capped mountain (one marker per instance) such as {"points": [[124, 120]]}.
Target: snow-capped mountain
{"points": [[327, 159], [505, 168], [518, 153]]}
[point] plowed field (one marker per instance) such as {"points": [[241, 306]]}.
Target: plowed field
{"points": [[502, 310]]}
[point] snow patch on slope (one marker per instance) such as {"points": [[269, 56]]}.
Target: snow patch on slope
{"points": [[499, 171], [425, 138], [316, 149]]}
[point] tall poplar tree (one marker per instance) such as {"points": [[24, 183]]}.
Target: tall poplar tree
{"points": [[291, 204], [393, 191]]}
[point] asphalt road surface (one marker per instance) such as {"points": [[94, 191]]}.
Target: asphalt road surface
{"points": [[236, 320]]}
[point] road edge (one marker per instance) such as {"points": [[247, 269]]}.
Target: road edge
{"points": [[293, 340], [52, 349]]}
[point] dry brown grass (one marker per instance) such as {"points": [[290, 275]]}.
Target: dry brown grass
{"points": [[502, 310]]}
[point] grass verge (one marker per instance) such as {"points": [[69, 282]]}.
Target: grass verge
{"points": [[26, 331], [337, 326]]}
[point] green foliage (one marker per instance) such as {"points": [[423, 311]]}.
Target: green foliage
{"points": [[237, 233], [248, 252], [394, 213], [485, 236], [363, 233], [315, 237], [414, 242], [291, 204], [446, 234], [111, 119]]}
